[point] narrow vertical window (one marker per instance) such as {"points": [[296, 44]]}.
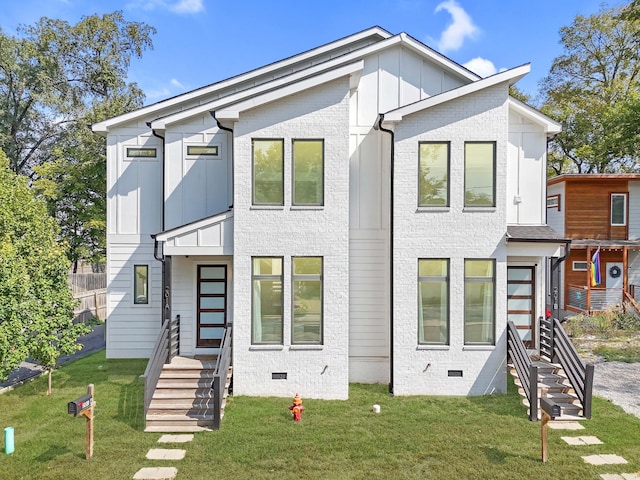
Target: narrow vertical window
{"points": [[268, 172], [308, 172], [267, 301], [433, 174], [479, 302], [433, 302], [141, 284], [307, 300], [618, 209], [479, 174]]}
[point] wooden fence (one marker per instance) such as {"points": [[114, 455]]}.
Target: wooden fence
{"points": [[87, 282], [90, 304]]}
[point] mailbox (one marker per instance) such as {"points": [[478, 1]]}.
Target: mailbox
{"points": [[550, 407], [79, 405]]}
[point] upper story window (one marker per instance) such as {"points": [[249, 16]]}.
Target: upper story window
{"points": [[553, 201], [266, 325], [618, 209], [307, 300], [433, 174], [480, 174], [205, 151], [268, 172], [308, 172], [433, 301], [141, 152], [479, 302]]}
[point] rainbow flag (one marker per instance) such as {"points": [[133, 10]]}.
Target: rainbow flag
{"points": [[595, 268]]}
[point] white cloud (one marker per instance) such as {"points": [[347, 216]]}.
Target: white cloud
{"points": [[481, 66], [461, 28], [177, 6], [176, 83]]}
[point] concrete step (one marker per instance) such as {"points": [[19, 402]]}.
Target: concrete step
{"points": [[186, 374], [179, 383], [176, 428], [181, 403]]}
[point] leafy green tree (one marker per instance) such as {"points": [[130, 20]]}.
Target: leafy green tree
{"points": [[591, 90], [36, 304]]}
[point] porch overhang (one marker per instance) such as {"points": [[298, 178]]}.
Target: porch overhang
{"points": [[209, 236], [535, 240]]}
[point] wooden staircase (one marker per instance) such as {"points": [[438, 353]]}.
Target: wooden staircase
{"points": [[553, 384], [183, 398]]}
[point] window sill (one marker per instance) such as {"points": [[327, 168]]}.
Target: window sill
{"points": [[306, 207], [433, 209], [307, 347], [433, 347], [479, 209], [267, 207], [479, 348], [266, 348]]}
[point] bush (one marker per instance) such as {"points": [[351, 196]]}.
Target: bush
{"points": [[607, 323]]}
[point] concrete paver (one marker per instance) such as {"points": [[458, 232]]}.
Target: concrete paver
{"points": [[176, 438], [604, 459], [156, 473], [166, 454], [565, 426], [582, 440], [620, 476]]}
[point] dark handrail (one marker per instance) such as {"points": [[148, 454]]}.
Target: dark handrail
{"points": [[579, 374], [220, 378], [527, 372], [162, 353]]}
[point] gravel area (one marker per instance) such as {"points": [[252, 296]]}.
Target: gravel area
{"points": [[619, 383]]}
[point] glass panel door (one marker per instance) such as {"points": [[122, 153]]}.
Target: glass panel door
{"points": [[212, 305], [521, 302]]}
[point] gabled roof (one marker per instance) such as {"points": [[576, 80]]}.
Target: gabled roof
{"points": [[189, 102], [551, 127], [511, 76]]}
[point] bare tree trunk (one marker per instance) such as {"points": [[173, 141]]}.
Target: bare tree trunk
{"points": [[49, 384]]}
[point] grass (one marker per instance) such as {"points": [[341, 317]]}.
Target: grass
{"points": [[613, 353], [413, 437]]}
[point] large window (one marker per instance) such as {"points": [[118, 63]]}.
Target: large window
{"points": [[268, 172], [307, 300], [267, 301], [141, 284], [618, 209], [433, 301], [479, 302], [308, 172], [479, 174], [433, 174]]}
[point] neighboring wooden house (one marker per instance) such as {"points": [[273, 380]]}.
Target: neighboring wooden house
{"points": [[601, 214], [366, 211]]}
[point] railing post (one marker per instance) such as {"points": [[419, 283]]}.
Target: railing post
{"points": [[588, 389], [533, 393], [217, 399]]}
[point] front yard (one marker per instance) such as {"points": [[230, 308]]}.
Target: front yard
{"points": [[413, 437]]}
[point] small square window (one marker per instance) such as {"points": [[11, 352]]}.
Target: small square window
{"points": [[141, 284]]}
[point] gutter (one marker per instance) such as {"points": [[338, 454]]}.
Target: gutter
{"points": [[379, 126], [222, 127]]}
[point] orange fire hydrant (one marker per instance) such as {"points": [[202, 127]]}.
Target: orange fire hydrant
{"points": [[297, 408]]}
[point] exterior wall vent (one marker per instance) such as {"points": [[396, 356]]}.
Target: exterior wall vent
{"points": [[454, 373], [279, 376]]}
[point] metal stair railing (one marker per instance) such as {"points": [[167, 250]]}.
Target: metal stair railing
{"points": [[220, 378], [527, 372], [167, 346]]}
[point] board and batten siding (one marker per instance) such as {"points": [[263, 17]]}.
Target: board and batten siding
{"points": [[634, 210]]}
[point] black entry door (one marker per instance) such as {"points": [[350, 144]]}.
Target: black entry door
{"points": [[212, 304]]}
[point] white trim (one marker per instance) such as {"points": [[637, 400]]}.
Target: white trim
{"points": [[511, 76], [550, 126], [576, 269], [190, 227], [133, 285], [624, 211]]}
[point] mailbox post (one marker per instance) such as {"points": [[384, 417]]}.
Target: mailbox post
{"points": [[550, 411], [84, 406]]}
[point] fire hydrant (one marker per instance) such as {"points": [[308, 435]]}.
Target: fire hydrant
{"points": [[297, 408]]}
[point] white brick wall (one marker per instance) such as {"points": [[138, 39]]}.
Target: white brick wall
{"points": [[288, 231], [449, 233]]}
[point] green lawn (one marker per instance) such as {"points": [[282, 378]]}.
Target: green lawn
{"points": [[413, 437]]}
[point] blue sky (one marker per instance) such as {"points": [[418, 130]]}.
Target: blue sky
{"points": [[199, 42]]}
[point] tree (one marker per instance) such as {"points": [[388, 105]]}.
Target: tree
{"points": [[591, 89], [36, 304], [55, 80]]}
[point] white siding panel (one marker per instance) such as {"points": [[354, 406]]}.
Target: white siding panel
{"points": [[532, 178], [389, 77], [368, 89], [431, 79], [634, 210], [128, 198], [411, 73], [555, 217]]}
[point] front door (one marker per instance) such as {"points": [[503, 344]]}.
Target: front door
{"points": [[212, 305], [614, 283], [520, 302]]}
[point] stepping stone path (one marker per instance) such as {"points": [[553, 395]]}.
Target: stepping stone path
{"points": [[164, 473], [601, 459]]}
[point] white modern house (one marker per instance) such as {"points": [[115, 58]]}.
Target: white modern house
{"points": [[366, 211]]}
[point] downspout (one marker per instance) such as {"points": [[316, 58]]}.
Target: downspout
{"points": [[226, 129], [163, 174], [379, 126]]}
